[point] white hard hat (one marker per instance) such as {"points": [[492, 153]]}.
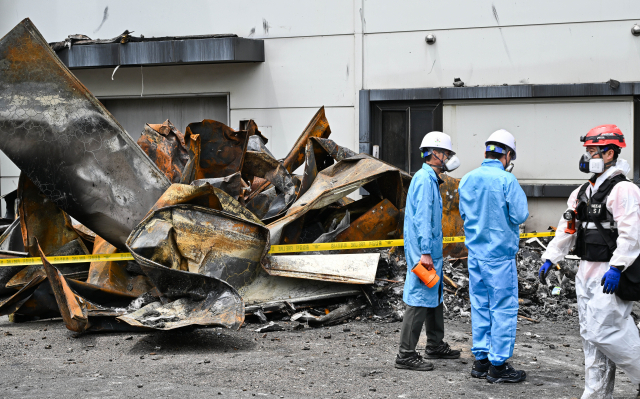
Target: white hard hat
{"points": [[503, 137], [436, 140]]}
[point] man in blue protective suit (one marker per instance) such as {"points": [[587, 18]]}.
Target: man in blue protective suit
{"points": [[423, 245], [492, 206]]}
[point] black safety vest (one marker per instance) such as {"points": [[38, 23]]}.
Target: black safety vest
{"points": [[597, 245]]}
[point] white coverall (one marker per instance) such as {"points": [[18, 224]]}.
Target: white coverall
{"points": [[609, 335]]}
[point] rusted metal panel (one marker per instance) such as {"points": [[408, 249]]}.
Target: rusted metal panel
{"points": [[317, 127], [452, 224], [83, 306], [186, 194], [71, 306], [204, 195], [200, 240], [215, 150], [164, 145], [114, 276], [76, 271], [42, 220], [338, 181], [68, 144], [353, 269], [375, 224], [233, 185]]}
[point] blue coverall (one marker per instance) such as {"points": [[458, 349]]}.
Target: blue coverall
{"points": [[492, 206], [423, 235]]}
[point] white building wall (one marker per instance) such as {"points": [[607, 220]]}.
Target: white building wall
{"points": [[324, 52]]}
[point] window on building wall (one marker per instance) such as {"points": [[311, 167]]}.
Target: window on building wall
{"points": [[398, 129], [134, 113]]}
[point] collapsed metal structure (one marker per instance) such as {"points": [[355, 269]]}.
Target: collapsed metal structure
{"points": [[198, 211]]}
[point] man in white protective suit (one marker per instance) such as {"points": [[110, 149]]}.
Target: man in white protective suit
{"points": [[602, 224]]}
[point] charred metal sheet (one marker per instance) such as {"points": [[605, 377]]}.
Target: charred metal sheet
{"points": [[376, 224], [14, 302], [334, 150], [186, 194], [353, 268], [344, 312], [114, 276], [317, 127], [233, 207], [204, 195], [215, 150], [257, 144], [192, 299], [76, 271], [40, 304], [335, 229], [233, 185], [452, 224], [67, 143], [261, 203], [42, 220], [310, 168], [263, 165], [266, 290], [88, 236], [200, 240], [338, 181], [164, 145], [78, 302]]}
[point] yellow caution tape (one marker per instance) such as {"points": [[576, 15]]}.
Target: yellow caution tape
{"points": [[66, 259], [275, 249], [331, 246]]}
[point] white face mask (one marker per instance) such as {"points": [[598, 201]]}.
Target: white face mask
{"points": [[588, 164], [509, 167], [452, 163]]}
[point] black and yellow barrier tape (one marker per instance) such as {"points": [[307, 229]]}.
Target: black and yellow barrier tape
{"points": [[275, 249]]}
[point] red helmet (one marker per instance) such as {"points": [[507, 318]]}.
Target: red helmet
{"points": [[604, 135]]}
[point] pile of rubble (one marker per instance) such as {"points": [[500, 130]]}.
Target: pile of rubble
{"points": [[197, 211]]}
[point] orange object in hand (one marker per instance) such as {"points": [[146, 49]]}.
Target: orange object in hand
{"points": [[429, 277]]}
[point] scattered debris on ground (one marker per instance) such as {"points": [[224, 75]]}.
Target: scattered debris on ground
{"points": [[198, 212]]}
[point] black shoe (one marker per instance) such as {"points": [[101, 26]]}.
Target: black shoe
{"points": [[480, 369], [638, 391], [442, 351], [415, 362], [507, 374]]}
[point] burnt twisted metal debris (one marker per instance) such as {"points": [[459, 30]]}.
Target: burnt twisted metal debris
{"points": [[200, 245], [68, 144]]}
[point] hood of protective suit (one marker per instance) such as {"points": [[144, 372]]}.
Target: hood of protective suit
{"points": [[621, 167]]}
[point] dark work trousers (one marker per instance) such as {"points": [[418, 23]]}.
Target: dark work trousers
{"points": [[414, 318]]}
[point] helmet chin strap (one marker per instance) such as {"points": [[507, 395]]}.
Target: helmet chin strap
{"points": [[607, 165], [442, 165]]}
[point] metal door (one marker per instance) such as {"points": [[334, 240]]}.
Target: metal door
{"points": [[398, 129]]}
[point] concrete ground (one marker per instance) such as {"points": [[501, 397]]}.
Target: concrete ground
{"points": [[44, 359]]}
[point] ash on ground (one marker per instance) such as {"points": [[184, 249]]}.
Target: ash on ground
{"points": [[554, 301]]}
